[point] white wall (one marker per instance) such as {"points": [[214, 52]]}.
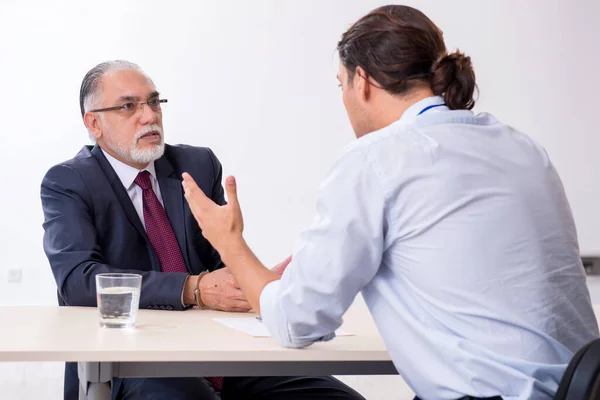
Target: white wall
{"points": [[256, 82]]}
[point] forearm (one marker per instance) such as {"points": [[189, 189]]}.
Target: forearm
{"points": [[249, 272], [159, 290]]}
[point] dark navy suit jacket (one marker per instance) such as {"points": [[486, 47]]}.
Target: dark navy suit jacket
{"points": [[91, 227]]}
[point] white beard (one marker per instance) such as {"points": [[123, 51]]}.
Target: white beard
{"points": [[134, 153], [153, 153]]}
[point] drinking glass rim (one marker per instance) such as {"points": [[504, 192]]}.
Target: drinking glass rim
{"points": [[118, 275]]}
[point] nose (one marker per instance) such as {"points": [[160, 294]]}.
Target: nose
{"points": [[148, 116]]}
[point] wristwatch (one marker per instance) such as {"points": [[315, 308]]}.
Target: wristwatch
{"points": [[197, 296]]}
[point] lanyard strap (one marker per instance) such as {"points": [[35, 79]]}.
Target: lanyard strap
{"points": [[429, 107]]}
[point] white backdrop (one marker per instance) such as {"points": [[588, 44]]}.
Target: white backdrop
{"points": [[256, 82]]}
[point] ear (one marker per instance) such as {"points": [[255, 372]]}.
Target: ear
{"points": [[362, 84], [92, 122]]}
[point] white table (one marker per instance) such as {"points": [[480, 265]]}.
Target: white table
{"points": [[179, 344]]}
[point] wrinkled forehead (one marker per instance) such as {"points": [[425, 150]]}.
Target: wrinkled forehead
{"points": [[126, 84]]}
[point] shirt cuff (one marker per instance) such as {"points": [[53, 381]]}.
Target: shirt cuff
{"points": [[182, 290], [274, 318], [272, 315]]}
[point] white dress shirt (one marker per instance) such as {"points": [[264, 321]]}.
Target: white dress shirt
{"points": [[457, 231], [127, 175]]}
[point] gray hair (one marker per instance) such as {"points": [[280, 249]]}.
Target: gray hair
{"points": [[90, 86]]}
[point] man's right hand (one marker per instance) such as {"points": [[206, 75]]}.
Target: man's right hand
{"points": [[220, 292]]}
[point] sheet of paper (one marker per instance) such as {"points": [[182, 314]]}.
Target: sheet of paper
{"points": [[256, 328]]}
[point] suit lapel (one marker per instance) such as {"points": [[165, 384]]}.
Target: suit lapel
{"points": [[172, 195], [120, 191]]}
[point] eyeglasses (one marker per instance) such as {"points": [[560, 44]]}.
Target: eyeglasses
{"points": [[131, 107]]}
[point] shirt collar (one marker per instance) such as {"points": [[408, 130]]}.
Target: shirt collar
{"points": [[127, 173], [413, 111]]}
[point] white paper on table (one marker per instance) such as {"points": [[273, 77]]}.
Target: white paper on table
{"points": [[256, 328]]}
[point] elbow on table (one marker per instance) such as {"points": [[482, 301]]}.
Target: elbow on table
{"points": [[296, 342], [76, 296]]}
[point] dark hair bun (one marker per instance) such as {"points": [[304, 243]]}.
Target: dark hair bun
{"points": [[454, 79]]}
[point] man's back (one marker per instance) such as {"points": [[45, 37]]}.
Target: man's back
{"points": [[481, 283]]}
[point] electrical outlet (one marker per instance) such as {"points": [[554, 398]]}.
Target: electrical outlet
{"points": [[15, 275]]}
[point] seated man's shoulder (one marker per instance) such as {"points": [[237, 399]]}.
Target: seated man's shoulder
{"points": [[186, 150], [192, 158], [72, 166]]}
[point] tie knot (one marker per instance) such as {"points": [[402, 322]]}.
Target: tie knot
{"points": [[143, 180]]}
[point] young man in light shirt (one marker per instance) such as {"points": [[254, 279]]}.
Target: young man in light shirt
{"points": [[454, 226]]}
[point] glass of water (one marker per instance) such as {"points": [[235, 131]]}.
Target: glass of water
{"points": [[118, 299]]}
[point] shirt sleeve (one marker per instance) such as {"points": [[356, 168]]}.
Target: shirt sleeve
{"points": [[333, 259]]}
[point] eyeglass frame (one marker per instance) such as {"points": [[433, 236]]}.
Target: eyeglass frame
{"points": [[122, 107]]}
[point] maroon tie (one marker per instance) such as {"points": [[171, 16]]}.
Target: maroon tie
{"points": [[217, 381], [158, 228], [162, 238]]}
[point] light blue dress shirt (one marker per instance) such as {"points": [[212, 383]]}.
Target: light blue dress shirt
{"points": [[457, 231]]}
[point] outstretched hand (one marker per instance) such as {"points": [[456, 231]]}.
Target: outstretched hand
{"points": [[219, 224]]}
